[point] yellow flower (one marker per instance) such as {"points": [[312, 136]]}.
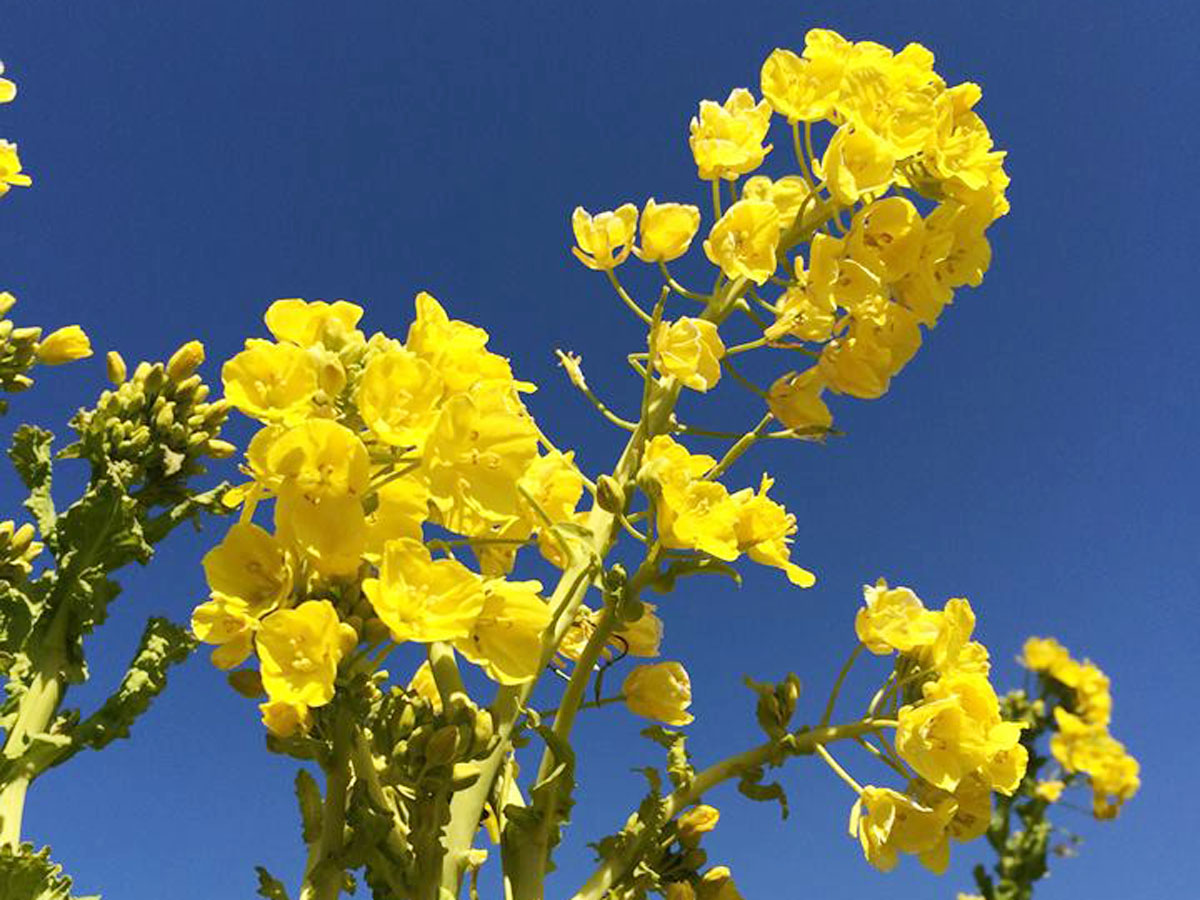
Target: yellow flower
{"points": [[692, 513], [399, 398], [727, 140], [402, 505], [717, 884], [284, 718], [330, 533], [697, 821], [659, 691], [424, 686], [1043, 654], [554, 486], [788, 194], [803, 313], [888, 823], [63, 346], [888, 235], [764, 529], [10, 169], [667, 231], [743, 242], [456, 350], [876, 347], [894, 619], [8, 90], [271, 382], [300, 650], [422, 599], [319, 460], [506, 638], [228, 623], [690, 350], [482, 444], [642, 637], [318, 322], [605, 240], [856, 162], [800, 88], [795, 400], [1049, 791], [251, 566], [1081, 746]]}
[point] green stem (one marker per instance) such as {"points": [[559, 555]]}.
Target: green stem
{"points": [[323, 873], [837, 685], [623, 861], [748, 440]]}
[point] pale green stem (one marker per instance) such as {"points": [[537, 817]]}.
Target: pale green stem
{"points": [[716, 199], [323, 876], [748, 440], [837, 685], [625, 298], [838, 770]]}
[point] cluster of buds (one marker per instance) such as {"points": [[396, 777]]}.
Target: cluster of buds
{"points": [[21, 348], [157, 422], [18, 550]]}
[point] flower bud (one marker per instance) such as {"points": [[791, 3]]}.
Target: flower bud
{"points": [[115, 367], [246, 682], [659, 691], [696, 822], [185, 360], [64, 345], [7, 301], [609, 495]]}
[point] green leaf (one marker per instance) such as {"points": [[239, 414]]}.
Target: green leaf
{"points": [[31, 457], [17, 614], [26, 875], [309, 797], [269, 886], [664, 582], [751, 786], [163, 645]]}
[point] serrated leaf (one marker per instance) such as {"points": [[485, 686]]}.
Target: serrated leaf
{"points": [[163, 645], [308, 795], [269, 886], [26, 875], [17, 614], [31, 457]]}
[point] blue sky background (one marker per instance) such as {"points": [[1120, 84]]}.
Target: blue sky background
{"points": [[195, 161]]}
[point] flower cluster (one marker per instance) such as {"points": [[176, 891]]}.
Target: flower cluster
{"points": [[949, 731], [908, 160], [365, 441], [1082, 742]]}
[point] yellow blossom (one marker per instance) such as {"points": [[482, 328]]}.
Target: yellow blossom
{"points": [[331, 533], [795, 400], [271, 382], [888, 234], [300, 650], [1049, 791], [691, 513], [659, 691], [888, 823], [743, 241], [1043, 654], [605, 240], [717, 884], [697, 821], [422, 599], [727, 139], [402, 505], [251, 566], [788, 194], [506, 638], [642, 637], [764, 529], [318, 460], [228, 623], [399, 398], [894, 619], [307, 324], [424, 686], [8, 90], [856, 162], [10, 169], [63, 346], [285, 719], [457, 350], [690, 350], [800, 88], [667, 230]]}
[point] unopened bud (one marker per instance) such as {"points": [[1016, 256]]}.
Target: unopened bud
{"points": [[246, 682], [7, 301], [21, 538], [26, 335], [64, 345], [442, 747], [115, 367], [219, 449], [696, 822], [185, 360], [609, 494]]}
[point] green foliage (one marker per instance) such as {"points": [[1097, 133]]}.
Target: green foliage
{"points": [[29, 875]]}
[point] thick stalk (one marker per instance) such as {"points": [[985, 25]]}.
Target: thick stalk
{"points": [[323, 875], [622, 863], [35, 711]]}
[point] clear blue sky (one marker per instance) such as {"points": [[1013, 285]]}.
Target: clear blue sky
{"points": [[193, 162]]}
